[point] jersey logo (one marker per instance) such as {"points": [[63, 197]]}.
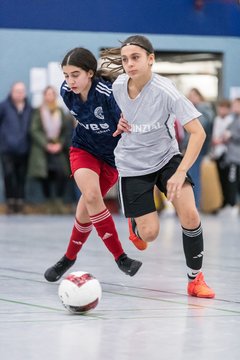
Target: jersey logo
{"points": [[97, 128], [98, 112]]}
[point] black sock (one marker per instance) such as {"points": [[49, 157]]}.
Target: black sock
{"points": [[193, 250]]}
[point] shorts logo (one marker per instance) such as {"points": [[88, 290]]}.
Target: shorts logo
{"points": [[98, 112]]}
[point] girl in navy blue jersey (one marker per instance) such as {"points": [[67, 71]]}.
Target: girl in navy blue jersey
{"points": [[89, 98]]}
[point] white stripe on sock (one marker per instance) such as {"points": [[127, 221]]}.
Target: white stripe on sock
{"points": [[97, 218], [82, 229]]}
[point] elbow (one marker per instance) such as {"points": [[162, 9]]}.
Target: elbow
{"points": [[201, 137]]}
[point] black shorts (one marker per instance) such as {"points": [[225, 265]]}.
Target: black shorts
{"points": [[136, 192]]}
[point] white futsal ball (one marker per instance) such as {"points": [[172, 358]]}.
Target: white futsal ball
{"points": [[80, 292]]}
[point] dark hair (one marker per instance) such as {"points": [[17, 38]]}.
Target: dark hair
{"points": [[82, 58], [112, 56], [49, 87], [224, 102], [198, 93], [139, 40]]}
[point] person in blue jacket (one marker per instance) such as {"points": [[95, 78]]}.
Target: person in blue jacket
{"points": [[15, 118], [89, 98]]}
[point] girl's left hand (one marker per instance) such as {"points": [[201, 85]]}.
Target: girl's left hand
{"points": [[174, 184], [122, 126]]}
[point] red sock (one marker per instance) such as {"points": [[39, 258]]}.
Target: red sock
{"points": [[105, 227], [80, 233]]}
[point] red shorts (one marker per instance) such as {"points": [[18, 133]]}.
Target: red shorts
{"points": [[108, 175]]}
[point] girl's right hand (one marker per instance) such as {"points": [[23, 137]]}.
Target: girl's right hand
{"points": [[122, 126]]}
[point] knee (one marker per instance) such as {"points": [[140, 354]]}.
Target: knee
{"points": [[149, 233], [91, 197], [190, 219]]}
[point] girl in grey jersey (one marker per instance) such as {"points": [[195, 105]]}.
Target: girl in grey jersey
{"points": [[147, 153]]}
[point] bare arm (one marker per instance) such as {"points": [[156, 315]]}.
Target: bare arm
{"points": [[195, 143]]}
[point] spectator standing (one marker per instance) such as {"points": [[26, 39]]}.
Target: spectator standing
{"points": [[206, 119], [218, 145], [48, 161], [15, 118], [232, 157]]}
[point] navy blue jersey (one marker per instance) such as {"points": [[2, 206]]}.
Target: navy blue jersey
{"points": [[97, 119]]}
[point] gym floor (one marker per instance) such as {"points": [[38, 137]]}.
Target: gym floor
{"points": [[148, 316]]}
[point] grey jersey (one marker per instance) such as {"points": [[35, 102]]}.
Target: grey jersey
{"points": [[151, 143]]}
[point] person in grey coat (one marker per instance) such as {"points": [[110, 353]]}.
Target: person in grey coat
{"points": [[232, 156]]}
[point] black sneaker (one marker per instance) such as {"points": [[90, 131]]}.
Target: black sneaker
{"points": [[56, 271], [127, 265]]}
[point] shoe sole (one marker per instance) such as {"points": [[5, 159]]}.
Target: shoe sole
{"points": [[203, 297], [139, 247], [139, 244], [134, 268], [51, 279], [58, 276]]}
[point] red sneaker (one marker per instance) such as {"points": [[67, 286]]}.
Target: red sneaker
{"points": [[199, 288], [139, 243]]}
